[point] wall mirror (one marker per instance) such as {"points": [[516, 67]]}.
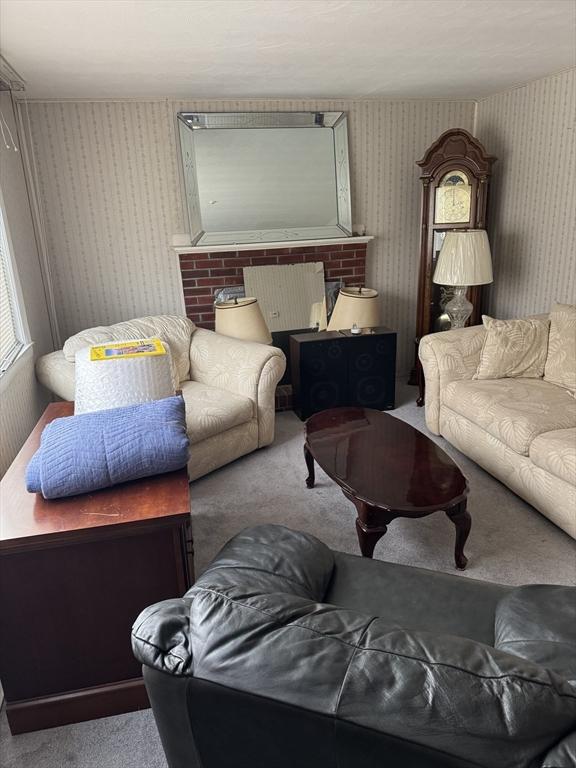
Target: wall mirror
{"points": [[253, 177]]}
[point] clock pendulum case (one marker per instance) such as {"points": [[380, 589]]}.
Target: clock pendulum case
{"points": [[455, 176]]}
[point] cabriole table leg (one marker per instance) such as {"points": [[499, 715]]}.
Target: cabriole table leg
{"points": [[310, 480], [371, 524], [460, 516], [368, 537]]}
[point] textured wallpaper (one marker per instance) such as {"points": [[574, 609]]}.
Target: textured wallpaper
{"points": [[532, 131], [111, 192], [22, 401]]}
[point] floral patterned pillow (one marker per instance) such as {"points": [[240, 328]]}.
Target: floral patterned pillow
{"points": [[561, 361], [513, 348]]}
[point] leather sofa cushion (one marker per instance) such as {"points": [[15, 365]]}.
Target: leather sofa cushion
{"points": [[555, 452], [176, 331], [211, 411], [515, 411], [416, 598], [538, 623]]}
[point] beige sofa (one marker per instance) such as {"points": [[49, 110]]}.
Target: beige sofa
{"points": [[228, 385], [521, 430]]}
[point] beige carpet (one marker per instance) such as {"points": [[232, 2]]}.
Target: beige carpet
{"points": [[510, 542]]}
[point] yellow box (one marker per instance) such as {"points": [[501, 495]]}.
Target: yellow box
{"points": [[123, 350]]}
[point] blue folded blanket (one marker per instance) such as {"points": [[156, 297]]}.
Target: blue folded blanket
{"points": [[83, 453]]}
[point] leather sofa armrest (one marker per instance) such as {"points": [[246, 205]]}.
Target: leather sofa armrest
{"points": [[57, 374], [261, 559], [242, 367], [537, 622], [161, 637], [272, 558], [447, 356], [563, 755]]}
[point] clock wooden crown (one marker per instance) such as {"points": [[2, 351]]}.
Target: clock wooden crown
{"points": [[455, 177], [459, 145]]}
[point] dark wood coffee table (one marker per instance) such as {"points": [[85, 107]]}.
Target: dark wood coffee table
{"points": [[387, 469]]}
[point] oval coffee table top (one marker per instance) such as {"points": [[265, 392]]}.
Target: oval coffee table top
{"points": [[384, 461]]}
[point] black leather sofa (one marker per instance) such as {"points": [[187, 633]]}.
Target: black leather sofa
{"points": [[286, 654]]}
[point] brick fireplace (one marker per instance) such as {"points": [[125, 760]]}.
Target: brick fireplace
{"points": [[203, 273]]}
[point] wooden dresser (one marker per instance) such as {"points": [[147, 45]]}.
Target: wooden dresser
{"points": [[74, 575]]}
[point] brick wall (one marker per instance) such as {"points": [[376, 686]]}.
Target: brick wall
{"points": [[204, 273]]}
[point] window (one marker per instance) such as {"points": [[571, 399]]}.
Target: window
{"points": [[11, 332]]}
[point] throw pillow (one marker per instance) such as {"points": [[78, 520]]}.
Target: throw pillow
{"points": [[561, 361], [513, 348]]}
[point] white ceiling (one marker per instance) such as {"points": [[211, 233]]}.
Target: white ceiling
{"points": [[284, 48]]}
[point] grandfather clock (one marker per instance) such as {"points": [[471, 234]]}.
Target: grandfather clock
{"points": [[455, 175]]}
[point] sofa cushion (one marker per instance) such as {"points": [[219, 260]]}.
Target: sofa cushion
{"points": [[515, 411], [538, 623], [176, 331], [561, 361], [416, 598], [210, 411], [513, 348], [556, 453]]}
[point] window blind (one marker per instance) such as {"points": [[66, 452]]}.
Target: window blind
{"points": [[10, 341]]}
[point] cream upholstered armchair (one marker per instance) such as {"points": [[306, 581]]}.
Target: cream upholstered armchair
{"points": [[228, 385]]}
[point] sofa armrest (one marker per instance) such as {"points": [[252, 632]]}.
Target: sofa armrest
{"points": [[563, 755], [447, 356], [57, 374], [242, 367], [161, 636], [263, 558]]}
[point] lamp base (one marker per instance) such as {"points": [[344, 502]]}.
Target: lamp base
{"points": [[459, 308]]}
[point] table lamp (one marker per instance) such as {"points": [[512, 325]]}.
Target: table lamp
{"points": [[242, 319], [464, 260], [355, 308]]}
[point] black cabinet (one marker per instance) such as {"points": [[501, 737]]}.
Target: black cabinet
{"points": [[338, 368]]}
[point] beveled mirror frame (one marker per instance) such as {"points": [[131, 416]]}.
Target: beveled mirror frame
{"points": [[189, 122]]}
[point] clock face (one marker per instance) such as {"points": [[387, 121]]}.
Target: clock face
{"points": [[453, 199]]}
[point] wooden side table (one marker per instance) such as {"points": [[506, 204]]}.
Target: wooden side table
{"points": [[74, 575]]}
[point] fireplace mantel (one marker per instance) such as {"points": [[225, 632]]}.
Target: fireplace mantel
{"points": [[179, 248]]}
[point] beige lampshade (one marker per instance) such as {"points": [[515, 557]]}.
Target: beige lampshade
{"points": [[464, 259], [242, 320], [355, 306]]}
